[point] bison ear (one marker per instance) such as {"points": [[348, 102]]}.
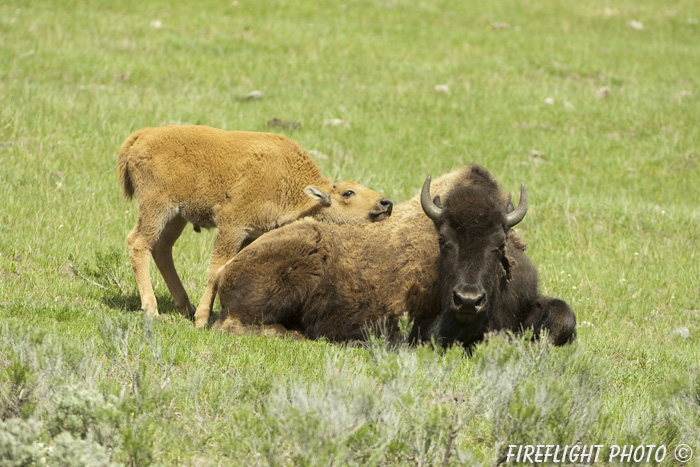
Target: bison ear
{"points": [[318, 194], [509, 207], [437, 202]]}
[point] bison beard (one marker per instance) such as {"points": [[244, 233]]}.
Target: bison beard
{"points": [[457, 269]]}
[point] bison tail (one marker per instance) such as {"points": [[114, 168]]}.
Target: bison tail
{"points": [[123, 166]]}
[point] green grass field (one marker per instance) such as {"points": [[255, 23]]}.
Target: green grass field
{"points": [[597, 115]]}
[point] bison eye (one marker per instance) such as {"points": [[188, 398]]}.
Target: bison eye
{"points": [[501, 249], [348, 194], [441, 242]]}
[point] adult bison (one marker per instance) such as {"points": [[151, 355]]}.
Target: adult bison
{"points": [[454, 266]]}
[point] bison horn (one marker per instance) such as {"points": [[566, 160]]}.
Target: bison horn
{"points": [[429, 207], [518, 213]]}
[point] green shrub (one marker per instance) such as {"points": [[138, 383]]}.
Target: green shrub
{"points": [[85, 414], [19, 442], [682, 401], [17, 398], [537, 395], [398, 408], [68, 451], [109, 273]]}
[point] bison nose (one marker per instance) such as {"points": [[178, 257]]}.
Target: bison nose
{"points": [[469, 301], [387, 205]]}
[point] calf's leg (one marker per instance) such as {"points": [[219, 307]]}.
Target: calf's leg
{"points": [[140, 242], [227, 244], [163, 256]]}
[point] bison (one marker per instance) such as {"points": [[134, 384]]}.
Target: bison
{"points": [[455, 267], [242, 183]]}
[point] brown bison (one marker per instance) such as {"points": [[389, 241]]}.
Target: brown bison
{"points": [[242, 183], [455, 267]]}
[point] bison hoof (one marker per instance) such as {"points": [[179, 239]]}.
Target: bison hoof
{"points": [[201, 322]]}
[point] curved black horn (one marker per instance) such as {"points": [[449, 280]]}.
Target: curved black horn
{"points": [[430, 209], [518, 214]]}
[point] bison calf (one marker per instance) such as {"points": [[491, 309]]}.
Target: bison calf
{"points": [[242, 183], [455, 267]]}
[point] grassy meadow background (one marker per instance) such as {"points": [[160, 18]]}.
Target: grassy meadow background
{"points": [[596, 114]]}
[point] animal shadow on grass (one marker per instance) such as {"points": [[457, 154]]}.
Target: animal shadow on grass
{"points": [[131, 302], [109, 273]]}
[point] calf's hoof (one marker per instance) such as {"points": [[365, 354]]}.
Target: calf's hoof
{"points": [[200, 321], [151, 312], [188, 312]]}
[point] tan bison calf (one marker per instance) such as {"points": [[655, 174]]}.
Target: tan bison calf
{"points": [[242, 183]]}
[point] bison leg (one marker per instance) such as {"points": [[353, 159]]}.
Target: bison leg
{"points": [[556, 317], [141, 241], [227, 244], [231, 324], [163, 256]]}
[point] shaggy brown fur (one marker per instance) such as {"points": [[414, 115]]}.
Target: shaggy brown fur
{"points": [[487, 282], [242, 183], [335, 281]]}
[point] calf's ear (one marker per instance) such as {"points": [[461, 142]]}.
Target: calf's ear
{"points": [[318, 194]]}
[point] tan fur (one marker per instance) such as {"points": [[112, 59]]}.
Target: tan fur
{"points": [[388, 275], [334, 282], [242, 183]]}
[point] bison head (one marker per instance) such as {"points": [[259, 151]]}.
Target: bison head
{"points": [[473, 224], [350, 203]]}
